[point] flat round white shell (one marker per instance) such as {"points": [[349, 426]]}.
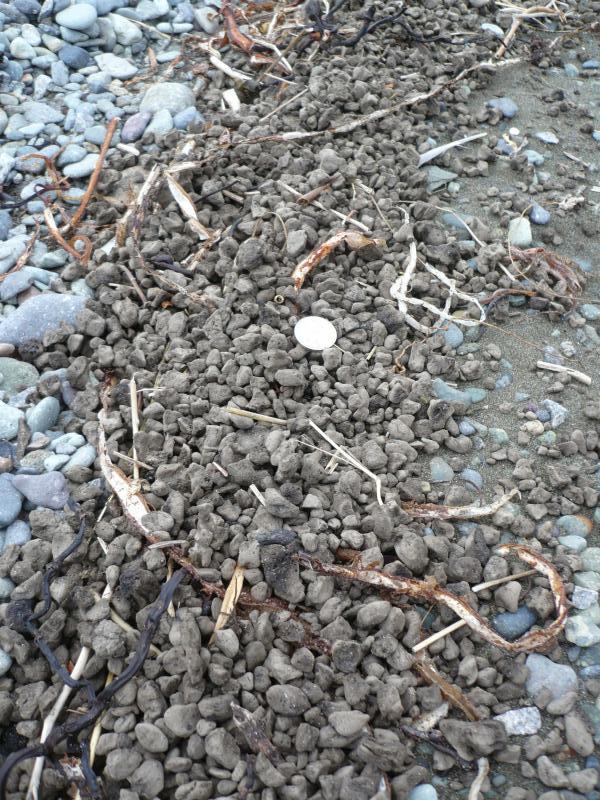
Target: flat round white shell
{"points": [[315, 333]]}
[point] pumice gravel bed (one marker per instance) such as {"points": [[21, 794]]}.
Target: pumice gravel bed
{"points": [[176, 514]]}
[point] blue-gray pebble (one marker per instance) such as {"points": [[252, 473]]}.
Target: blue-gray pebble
{"points": [[49, 490], [10, 501], [511, 625], [45, 312]]}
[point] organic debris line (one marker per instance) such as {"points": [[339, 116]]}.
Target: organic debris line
{"points": [[455, 626], [433, 593], [432, 511]]}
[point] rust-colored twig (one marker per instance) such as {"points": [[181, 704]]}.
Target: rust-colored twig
{"points": [[77, 216], [451, 692], [68, 246], [254, 734], [353, 239], [234, 34], [562, 268], [23, 258]]}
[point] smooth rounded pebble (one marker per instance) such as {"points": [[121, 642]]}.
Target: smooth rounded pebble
{"points": [[9, 421], [78, 17], [43, 415], [37, 315], [49, 490], [171, 96]]}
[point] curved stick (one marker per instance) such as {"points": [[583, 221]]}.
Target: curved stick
{"points": [[430, 591]]}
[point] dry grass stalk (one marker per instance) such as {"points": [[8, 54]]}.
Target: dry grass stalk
{"points": [[520, 15], [240, 412], [432, 511], [430, 591], [135, 425], [345, 218], [136, 211], [574, 373], [349, 458], [130, 459], [232, 594], [283, 105], [355, 241], [258, 494], [483, 768], [185, 203], [451, 692], [455, 626], [24, 257]]}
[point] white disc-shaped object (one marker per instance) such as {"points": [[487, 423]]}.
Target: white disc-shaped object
{"points": [[315, 333]]}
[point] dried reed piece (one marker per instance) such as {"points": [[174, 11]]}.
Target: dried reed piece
{"points": [[136, 210], [346, 219], [483, 768], [96, 733], [354, 240], [185, 203], [399, 291], [254, 734], [124, 625], [258, 494], [455, 626], [429, 590], [240, 412], [451, 692], [230, 598], [349, 458], [520, 14], [135, 425], [574, 373], [432, 511]]}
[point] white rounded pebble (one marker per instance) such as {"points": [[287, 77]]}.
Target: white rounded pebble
{"points": [[78, 17], [315, 333]]}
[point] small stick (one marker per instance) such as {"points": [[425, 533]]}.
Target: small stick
{"points": [[221, 469], [455, 626], [167, 543], [579, 376], [76, 218], [344, 217], [132, 460], [284, 104], [259, 496], [240, 412], [135, 425], [171, 606], [53, 230], [516, 24]]}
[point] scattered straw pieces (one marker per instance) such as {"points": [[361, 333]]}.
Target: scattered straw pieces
{"points": [[231, 597], [349, 458]]}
